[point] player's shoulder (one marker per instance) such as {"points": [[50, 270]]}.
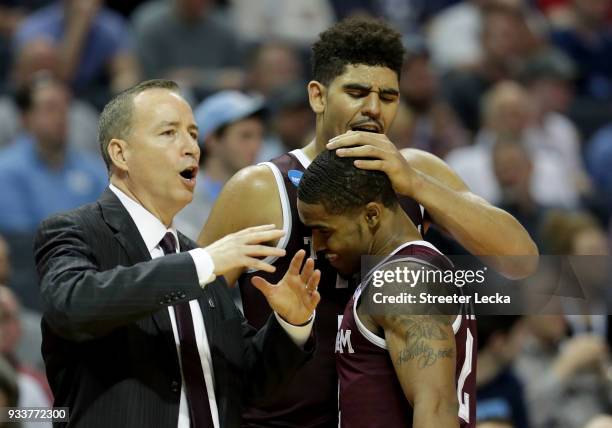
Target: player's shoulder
{"points": [[254, 179], [420, 251], [249, 198], [407, 263], [409, 266]]}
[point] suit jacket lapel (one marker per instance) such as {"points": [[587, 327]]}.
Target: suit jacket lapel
{"points": [[126, 232], [128, 236]]}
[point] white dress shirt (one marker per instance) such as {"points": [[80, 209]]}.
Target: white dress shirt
{"points": [[152, 230]]}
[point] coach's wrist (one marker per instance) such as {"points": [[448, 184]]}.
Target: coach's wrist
{"points": [[298, 333], [205, 266]]}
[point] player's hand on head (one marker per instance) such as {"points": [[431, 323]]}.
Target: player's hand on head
{"points": [[384, 156], [295, 297], [244, 249]]}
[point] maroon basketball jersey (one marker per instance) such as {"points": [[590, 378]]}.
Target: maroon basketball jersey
{"points": [[311, 400], [370, 393]]}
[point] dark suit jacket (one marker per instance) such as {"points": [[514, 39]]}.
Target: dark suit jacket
{"points": [[108, 345]]}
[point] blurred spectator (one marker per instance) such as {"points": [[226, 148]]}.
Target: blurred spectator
{"points": [[231, 134], [508, 114], [295, 21], [435, 127], [514, 171], [10, 17], [504, 30], [39, 173], [403, 127], [34, 58], [495, 423], [601, 421], [580, 234], [28, 349], [588, 41], [94, 46], [404, 15], [560, 12], [292, 121], [598, 159], [5, 265], [499, 391], [186, 41], [12, 13], [124, 7], [34, 390], [556, 370], [547, 77], [576, 233], [9, 391], [273, 65], [454, 35]]}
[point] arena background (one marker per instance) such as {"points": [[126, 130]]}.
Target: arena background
{"points": [[516, 95]]}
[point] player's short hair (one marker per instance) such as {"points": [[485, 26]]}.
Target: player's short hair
{"points": [[116, 118], [354, 41], [341, 187]]}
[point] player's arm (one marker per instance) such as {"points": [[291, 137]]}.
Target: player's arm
{"points": [[421, 344], [249, 198], [476, 224], [481, 228]]}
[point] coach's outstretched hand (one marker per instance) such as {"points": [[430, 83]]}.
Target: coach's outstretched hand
{"points": [[295, 297], [241, 249], [385, 157]]}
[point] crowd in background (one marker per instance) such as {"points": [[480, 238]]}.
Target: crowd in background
{"points": [[516, 95]]}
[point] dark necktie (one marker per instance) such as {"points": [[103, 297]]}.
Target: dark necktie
{"points": [[195, 385]]}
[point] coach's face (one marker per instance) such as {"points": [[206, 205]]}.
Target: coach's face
{"points": [[162, 154], [363, 98], [341, 238]]}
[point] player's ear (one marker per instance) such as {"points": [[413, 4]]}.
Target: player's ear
{"points": [[372, 214], [316, 96], [119, 153]]}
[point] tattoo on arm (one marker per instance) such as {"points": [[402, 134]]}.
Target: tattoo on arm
{"points": [[421, 333]]}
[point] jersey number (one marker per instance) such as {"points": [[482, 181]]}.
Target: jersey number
{"points": [[464, 397]]}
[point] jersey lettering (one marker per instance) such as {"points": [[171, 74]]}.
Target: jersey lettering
{"points": [[343, 340]]}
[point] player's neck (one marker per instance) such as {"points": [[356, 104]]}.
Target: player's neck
{"points": [[312, 149], [397, 231]]}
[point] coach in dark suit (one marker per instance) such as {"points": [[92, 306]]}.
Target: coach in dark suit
{"points": [[138, 331]]}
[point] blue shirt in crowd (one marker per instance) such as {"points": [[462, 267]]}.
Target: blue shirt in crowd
{"points": [[599, 160], [30, 191], [593, 58], [502, 399], [108, 36]]}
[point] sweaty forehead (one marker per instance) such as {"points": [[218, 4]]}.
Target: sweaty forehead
{"points": [[376, 76]]}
